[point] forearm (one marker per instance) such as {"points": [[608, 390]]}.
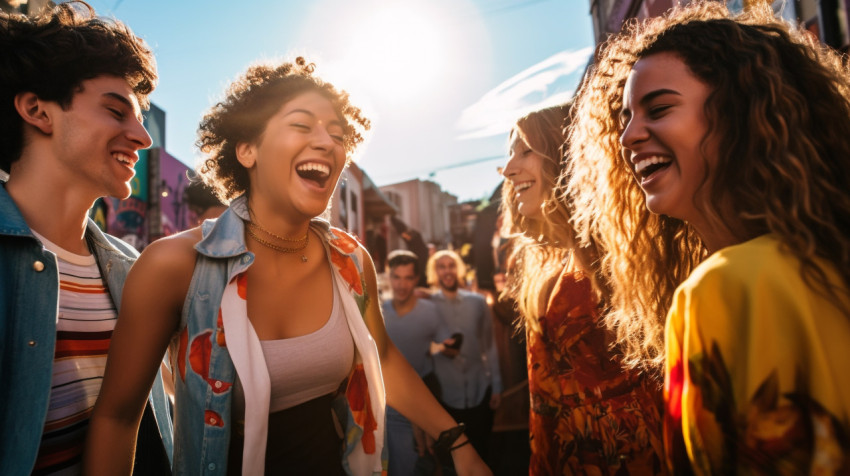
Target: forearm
{"points": [[409, 396], [110, 445]]}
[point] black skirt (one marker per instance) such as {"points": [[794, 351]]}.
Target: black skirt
{"points": [[301, 440]]}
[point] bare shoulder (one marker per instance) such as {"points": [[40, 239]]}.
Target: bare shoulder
{"points": [[172, 254]]}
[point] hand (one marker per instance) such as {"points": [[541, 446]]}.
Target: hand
{"points": [[448, 350], [467, 462], [422, 293], [495, 401], [421, 440]]}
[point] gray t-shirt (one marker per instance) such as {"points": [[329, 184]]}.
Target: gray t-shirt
{"points": [[414, 332]]}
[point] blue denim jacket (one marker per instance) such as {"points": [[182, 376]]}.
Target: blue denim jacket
{"points": [[204, 371], [29, 301]]}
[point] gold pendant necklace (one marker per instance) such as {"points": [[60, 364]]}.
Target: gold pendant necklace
{"points": [[300, 243]]}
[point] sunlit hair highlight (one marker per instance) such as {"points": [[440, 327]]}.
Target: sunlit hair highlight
{"points": [[780, 112], [540, 247], [249, 102]]}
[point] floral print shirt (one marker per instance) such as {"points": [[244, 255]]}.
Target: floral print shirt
{"points": [[758, 368], [589, 415]]}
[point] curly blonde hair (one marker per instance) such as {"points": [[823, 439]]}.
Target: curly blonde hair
{"points": [[540, 248], [780, 108], [250, 101]]}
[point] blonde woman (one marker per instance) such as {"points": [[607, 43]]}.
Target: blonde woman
{"points": [[589, 414], [716, 148]]}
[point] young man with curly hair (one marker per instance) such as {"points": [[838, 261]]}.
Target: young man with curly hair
{"points": [[72, 87]]}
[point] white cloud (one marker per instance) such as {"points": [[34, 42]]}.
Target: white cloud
{"points": [[550, 82]]}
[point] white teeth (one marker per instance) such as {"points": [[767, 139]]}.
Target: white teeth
{"points": [[321, 168], [124, 159], [522, 186], [640, 166]]}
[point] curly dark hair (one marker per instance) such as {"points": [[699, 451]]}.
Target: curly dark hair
{"points": [[249, 103], [53, 53], [780, 110]]}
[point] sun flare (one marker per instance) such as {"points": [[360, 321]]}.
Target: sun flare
{"points": [[394, 51]]}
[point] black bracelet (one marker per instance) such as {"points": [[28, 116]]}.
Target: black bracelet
{"points": [[468, 441], [448, 437]]}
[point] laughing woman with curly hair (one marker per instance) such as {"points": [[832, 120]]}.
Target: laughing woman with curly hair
{"points": [[715, 162], [281, 361]]}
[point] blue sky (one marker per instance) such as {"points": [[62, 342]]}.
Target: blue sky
{"points": [[442, 80]]}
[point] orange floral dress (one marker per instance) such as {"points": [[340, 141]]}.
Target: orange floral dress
{"points": [[588, 415]]}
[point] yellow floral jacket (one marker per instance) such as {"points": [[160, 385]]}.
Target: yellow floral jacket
{"points": [[758, 368]]}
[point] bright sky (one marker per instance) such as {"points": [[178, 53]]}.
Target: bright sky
{"points": [[442, 80]]}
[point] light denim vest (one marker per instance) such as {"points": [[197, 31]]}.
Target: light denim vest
{"points": [[29, 306], [203, 370]]}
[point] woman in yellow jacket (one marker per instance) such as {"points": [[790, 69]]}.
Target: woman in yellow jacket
{"points": [[714, 171]]}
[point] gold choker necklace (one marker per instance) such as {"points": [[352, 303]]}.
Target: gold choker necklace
{"points": [[256, 224], [276, 247], [299, 243]]}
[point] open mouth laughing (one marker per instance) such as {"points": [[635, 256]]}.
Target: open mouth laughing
{"points": [[315, 172], [523, 186], [645, 167]]}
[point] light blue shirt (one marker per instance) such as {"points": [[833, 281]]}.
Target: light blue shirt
{"points": [[413, 333], [464, 379]]}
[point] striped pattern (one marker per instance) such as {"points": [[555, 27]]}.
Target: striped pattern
{"points": [[84, 328]]}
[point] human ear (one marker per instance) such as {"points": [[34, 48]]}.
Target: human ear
{"points": [[246, 154], [32, 110]]}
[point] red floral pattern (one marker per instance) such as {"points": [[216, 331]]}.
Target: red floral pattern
{"points": [[212, 418], [357, 394], [345, 242], [199, 359], [348, 270], [219, 331], [588, 415]]}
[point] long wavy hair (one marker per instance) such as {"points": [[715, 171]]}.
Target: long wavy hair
{"points": [[780, 110], [540, 248]]}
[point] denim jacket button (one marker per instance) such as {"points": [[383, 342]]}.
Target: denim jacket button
{"points": [[32, 343], [212, 466], [218, 384], [38, 266]]}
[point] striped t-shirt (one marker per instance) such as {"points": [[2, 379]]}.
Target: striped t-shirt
{"points": [[83, 330]]}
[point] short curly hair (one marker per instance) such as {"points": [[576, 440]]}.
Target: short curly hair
{"points": [[250, 101], [51, 55], [780, 109]]}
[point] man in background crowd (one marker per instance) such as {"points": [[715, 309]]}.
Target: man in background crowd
{"points": [[470, 382], [415, 326]]}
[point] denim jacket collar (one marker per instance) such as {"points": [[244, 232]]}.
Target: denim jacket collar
{"points": [[225, 237], [11, 220]]}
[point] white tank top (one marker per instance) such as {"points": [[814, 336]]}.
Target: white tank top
{"points": [[306, 367]]}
